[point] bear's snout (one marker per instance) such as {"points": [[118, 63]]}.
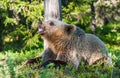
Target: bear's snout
{"points": [[39, 24]]}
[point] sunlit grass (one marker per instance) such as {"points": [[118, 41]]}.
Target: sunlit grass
{"points": [[10, 68]]}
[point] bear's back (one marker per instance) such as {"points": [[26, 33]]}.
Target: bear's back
{"points": [[94, 43]]}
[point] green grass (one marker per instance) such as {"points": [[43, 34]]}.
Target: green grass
{"points": [[10, 68]]}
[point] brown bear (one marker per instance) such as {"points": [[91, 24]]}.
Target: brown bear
{"points": [[71, 44]]}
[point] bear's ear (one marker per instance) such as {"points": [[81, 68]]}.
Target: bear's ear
{"points": [[69, 28]]}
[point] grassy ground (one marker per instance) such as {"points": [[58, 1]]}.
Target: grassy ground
{"points": [[11, 61]]}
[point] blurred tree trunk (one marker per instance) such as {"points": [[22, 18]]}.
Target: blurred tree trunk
{"points": [[93, 20], [52, 10]]}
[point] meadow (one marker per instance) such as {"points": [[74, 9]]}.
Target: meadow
{"points": [[11, 67]]}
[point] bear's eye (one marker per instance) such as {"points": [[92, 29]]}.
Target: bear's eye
{"points": [[51, 24]]}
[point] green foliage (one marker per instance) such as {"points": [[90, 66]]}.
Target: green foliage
{"points": [[77, 14], [20, 23], [110, 34], [11, 67]]}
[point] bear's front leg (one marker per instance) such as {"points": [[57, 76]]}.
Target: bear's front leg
{"points": [[72, 57], [32, 61], [62, 57], [46, 55], [57, 64]]}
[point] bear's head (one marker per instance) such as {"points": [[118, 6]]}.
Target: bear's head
{"points": [[53, 29]]}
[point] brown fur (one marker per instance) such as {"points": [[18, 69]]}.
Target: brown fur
{"points": [[70, 43]]}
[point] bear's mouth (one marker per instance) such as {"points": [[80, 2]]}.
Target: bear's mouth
{"points": [[41, 31]]}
